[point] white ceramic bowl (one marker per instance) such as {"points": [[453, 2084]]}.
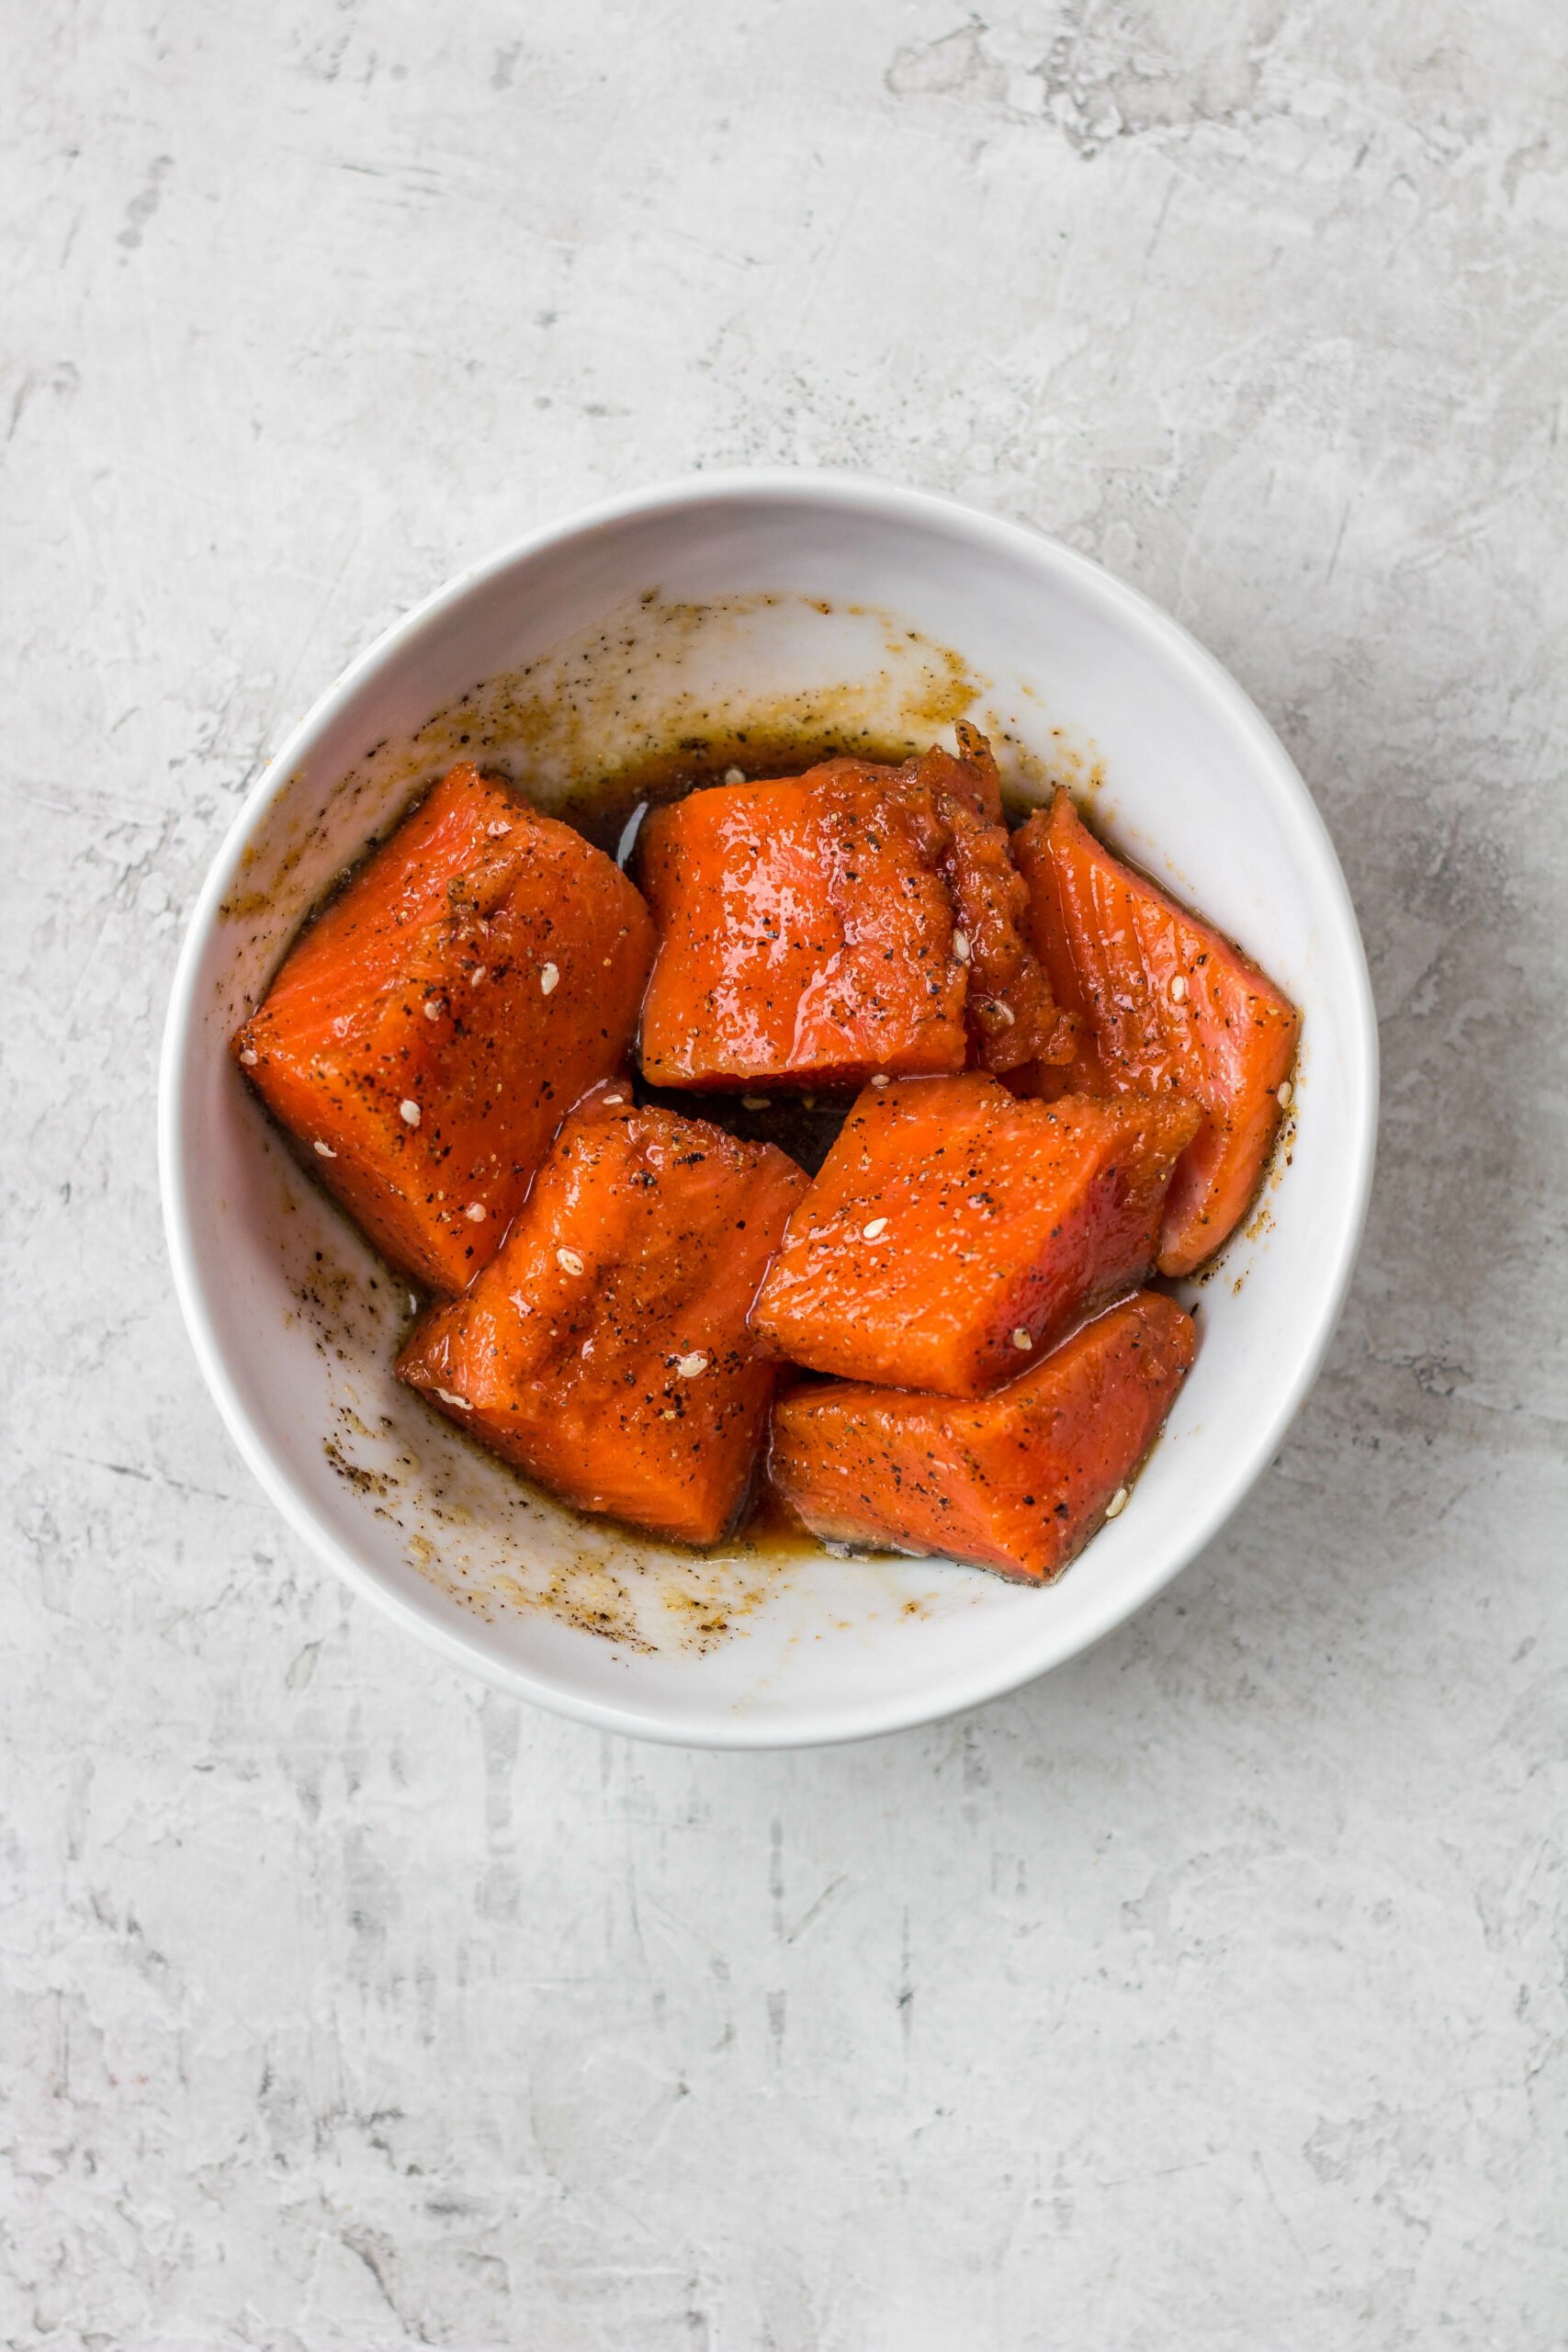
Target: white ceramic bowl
{"points": [[760, 600]]}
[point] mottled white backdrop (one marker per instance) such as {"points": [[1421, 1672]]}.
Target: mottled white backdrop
{"points": [[1202, 1996]]}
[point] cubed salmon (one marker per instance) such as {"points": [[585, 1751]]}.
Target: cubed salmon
{"points": [[953, 1231], [606, 1350], [1163, 1003], [1018, 1481], [1010, 1011], [429, 1031], [856, 918]]}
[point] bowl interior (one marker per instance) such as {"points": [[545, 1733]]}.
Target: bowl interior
{"points": [[825, 609]]}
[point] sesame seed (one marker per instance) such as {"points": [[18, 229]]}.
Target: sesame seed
{"points": [[550, 979], [1284, 1094], [475, 1212], [413, 1302], [459, 1404], [882, 1079], [250, 1056], [326, 1151], [1117, 1504], [961, 945], [1178, 989], [878, 1225], [409, 1112], [609, 1099], [569, 1262], [690, 1366], [1022, 1341], [753, 1101], [735, 775], [668, 1414], [480, 972], [435, 1006]]}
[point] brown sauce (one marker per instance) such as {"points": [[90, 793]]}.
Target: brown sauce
{"points": [[768, 1530]]}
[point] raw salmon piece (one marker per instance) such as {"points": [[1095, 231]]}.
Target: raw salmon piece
{"points": [[1164, 1004], [1010, 1011], [805, 935], [855, 919], [969, 775], [954, 1232], [605, 1350], [1018, 1481], [429, 1031]]}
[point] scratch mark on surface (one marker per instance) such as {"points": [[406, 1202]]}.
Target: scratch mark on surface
{"points": [[822, 1901], [159, 1477]]}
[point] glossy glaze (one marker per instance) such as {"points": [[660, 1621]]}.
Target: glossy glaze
{"points": [[606, 1350], [1164, 1003], [1018, 1481], [953, 1231], [428, 1030], [855, 919]]}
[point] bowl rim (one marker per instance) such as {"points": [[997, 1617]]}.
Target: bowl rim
{"points": [[836, 1721]]}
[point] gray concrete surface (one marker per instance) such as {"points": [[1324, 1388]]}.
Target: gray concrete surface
{"points": [[1204, 1994]]}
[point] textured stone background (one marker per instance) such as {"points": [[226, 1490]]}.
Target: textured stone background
{"points": [[1202, 1994]]}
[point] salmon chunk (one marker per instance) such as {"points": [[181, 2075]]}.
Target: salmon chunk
{"points": [[855, 919], [954, 1232], [1018, 1481], [1163, 1003], [605, 1350], [428, 1034]]}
